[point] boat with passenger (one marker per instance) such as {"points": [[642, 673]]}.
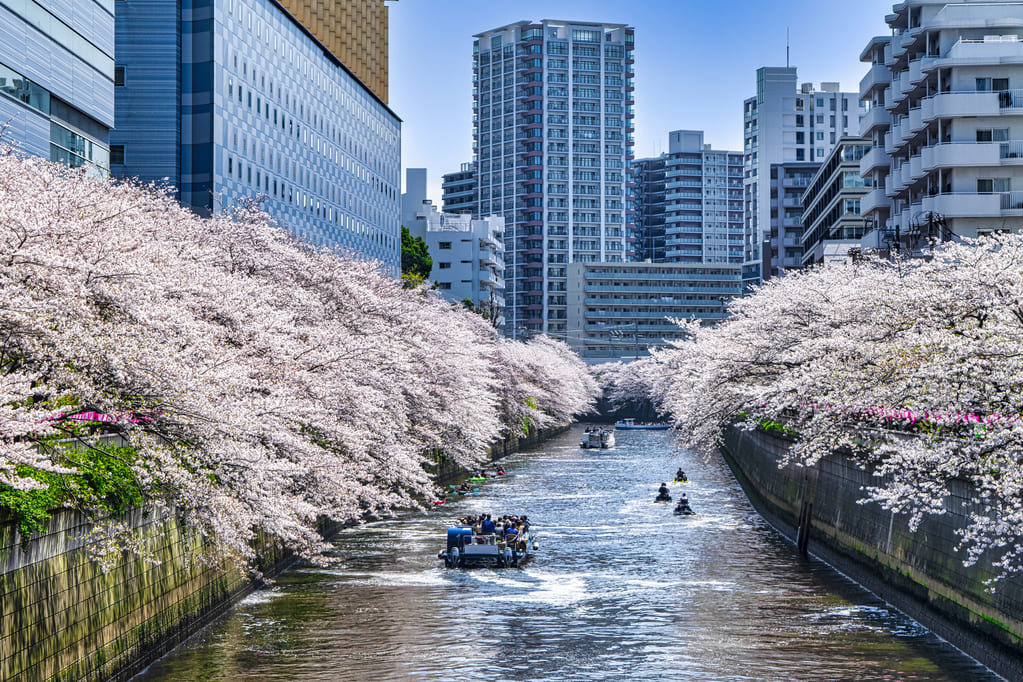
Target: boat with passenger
{"points": [[483, 544], [595, 437], [631, 425]]}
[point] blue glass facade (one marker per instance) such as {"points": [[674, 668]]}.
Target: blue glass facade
{"points": [[233, 100], [57, 78]]}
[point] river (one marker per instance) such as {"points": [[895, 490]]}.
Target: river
{"points": [[620, 589]]}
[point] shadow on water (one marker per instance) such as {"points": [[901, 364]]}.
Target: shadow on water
{"points": [[620, 589]]}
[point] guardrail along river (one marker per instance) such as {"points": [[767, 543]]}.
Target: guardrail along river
{"points": [[620, 589]]}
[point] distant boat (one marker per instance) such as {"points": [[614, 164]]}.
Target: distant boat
{"points": [[631, 425], [598, 438]]}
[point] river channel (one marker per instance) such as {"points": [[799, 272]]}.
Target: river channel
{"points": [[620, 589]]}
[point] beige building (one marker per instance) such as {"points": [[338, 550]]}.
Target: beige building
{"points": [[621, 310], [354, 30]]}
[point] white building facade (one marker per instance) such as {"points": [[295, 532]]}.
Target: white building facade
{"points": [[468, 257], [785, 123], [552, 110], [946, 122]]}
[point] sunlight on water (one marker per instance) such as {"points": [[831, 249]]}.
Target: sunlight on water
{"points": [[621, 589]]}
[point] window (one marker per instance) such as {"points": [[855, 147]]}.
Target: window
{"points": [[800, 155], [117, 154], [989, 84], [444, 245], [989, 185], [800, 138], [118, 76], [992, 134], [799, 120], [444, 286], [820, 135], [444, 266], [820, 153]]}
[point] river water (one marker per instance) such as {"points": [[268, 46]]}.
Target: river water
{"points": [[620, 589]]}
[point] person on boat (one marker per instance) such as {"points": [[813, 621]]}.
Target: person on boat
{"points": [[663, 490], [680, 475], [442, 499], [500, 471], [465, 489]]}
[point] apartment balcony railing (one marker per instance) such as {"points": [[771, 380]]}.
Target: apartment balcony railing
{"points": [[874, 159], [974, 205], [874, 200], [878, 75], [875, 118]]}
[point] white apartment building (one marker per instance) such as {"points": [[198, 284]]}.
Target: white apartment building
{"points": [[784, 123], [552, 137], [468, 256], [946, 122]]}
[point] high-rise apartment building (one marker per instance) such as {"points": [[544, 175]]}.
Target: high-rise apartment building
{"points": [[459, 190], [945, 122], [552, 110], [788, 183], [785, 123], [57, 79], [688, 203], [235, 100]]}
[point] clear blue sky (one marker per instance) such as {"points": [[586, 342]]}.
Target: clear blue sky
{"points": [[695, 62]]}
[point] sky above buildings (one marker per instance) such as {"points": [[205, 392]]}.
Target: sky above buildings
{"points": [[696, 62]]}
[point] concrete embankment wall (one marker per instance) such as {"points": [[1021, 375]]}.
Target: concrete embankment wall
{"points": [[63, 618], [918, 572]]}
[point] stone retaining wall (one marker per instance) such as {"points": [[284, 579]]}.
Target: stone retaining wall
{"points": [[920, 573], [63, 618]]}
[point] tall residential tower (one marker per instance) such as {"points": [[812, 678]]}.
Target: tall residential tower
{"points": [[552, 110]]}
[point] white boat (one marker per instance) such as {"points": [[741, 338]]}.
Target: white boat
{"points": [[468, 549], [598, 438], [631, 425]]}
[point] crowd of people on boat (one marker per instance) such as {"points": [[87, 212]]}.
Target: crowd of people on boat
{"points": [[508, 527]]}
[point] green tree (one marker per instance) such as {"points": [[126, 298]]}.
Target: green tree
{"points": [[416, 263]]}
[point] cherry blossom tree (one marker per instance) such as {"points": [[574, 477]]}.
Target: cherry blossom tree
{"points": [[913, 368], [264, 385]]}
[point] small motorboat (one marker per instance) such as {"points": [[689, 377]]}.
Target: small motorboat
{"points": [[680, 481], [661, 497], [598, 438]]}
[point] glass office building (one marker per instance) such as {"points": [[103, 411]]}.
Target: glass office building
{"points": [[235, 100], [57, 79]]}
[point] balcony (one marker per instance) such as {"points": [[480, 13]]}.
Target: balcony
{"points": [[875, 158], [877, 76], [956, 104], [963, 205], [916, 171], [965, 154], [874, 200], [878, 117]]}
